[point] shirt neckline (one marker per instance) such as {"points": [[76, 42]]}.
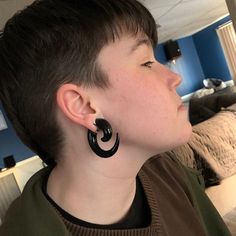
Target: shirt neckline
{"points": [[133, 219], [153, 228]]}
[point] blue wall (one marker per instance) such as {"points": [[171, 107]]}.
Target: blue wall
{"points": [[202, 57], [160, 54], [11, 145], [188, 65], [210, 52]]}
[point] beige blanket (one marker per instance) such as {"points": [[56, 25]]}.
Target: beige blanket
{"points": [[214, 142]]}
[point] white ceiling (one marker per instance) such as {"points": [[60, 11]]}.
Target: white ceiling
{"points": [[177, 18], [180, 18]]}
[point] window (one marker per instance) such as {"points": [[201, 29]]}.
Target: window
{"points": [[226, 34]]}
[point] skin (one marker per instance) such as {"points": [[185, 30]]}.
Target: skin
{"points": [[142, 106]]}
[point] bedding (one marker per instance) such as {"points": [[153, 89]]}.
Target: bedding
{"points": [[212, 147], [214, 140], [201, 109]]}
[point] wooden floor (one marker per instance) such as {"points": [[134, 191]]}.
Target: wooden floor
{"points": [[230, 220]]}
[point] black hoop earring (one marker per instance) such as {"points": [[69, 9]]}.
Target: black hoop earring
{"points": [[103, 125]]}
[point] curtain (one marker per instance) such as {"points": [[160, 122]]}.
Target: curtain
{"points": [[227, 38]]}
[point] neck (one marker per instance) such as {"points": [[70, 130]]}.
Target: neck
{"points": [[98, 191]]}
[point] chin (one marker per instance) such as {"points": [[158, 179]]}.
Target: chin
{"points": [[182, 137], [179, 140], [175, 139], [185, 135]]}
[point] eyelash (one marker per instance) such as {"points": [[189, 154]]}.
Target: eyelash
{"points": [[148, 64]]}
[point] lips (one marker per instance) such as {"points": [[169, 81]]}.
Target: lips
{"points": [[181, 107]]}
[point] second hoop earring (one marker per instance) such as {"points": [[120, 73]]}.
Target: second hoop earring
{"points": [[103, 125]]}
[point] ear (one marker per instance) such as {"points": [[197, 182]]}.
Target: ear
{"points": [[74, 102]]}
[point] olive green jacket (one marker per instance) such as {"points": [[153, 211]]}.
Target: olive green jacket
{"points": [[32, 215]]}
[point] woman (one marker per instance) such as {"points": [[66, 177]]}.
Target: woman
{"points": [[91, 100]]}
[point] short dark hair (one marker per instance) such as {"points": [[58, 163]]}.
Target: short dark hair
{"points": [[53, 42]]}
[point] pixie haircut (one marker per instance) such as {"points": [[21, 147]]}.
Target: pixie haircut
{"points": [[53, 42]]}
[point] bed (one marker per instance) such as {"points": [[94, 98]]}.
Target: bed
{"points": [[212, 149], [203, 108]]}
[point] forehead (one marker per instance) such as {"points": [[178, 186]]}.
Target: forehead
{"points": [[125, 45], [124, 54]]}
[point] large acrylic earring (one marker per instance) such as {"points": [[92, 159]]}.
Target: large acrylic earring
{"points": [[103, 125]]}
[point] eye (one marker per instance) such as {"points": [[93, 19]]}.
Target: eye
{"points": [[148, 64]]}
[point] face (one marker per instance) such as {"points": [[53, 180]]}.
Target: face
{"points": [[141, 103]]}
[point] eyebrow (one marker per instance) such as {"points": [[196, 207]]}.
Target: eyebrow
{"points": [[139, 42]]}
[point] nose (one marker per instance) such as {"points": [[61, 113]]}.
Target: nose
{"points": [[174, 80]]}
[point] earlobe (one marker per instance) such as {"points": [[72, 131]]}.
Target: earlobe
{"points": [[75, 105]]}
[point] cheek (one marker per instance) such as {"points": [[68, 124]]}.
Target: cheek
{"points": [[134, 95], [144, 112], [138, 101]]}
